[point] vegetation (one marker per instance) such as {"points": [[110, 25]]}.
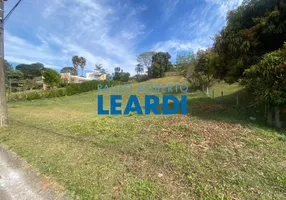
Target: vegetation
{"points": [[74, 88], [68, 70], [99, 68], [31, 71], [78, 61], [221, 155], [145, 60], [51, 77], [248, 50], [121, 76]]}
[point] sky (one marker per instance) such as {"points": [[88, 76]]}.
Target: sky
{"points": [[109, 32]]}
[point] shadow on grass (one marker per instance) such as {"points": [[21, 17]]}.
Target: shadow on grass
{"points": [[226, 110]]}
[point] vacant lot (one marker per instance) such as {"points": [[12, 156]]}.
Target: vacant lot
{"points": [[212, 153]]}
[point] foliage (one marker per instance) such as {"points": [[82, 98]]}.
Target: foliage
{"points": [[99, 68], [68, 70], [145, 60], [82, 63], [51, 77], [139, 69], [267, 79], [160, 64], [76, 62], [199, 69], [74, 88], [30, 84], [31, 70], [13, 78], [142, 78], [119, 75], [255, 28], [185, 62]]}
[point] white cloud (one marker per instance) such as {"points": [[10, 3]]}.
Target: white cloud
{"points": [[175, 46], [77, 27]]}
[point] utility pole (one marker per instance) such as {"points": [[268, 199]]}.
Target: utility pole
{"points": [[3, 103]]}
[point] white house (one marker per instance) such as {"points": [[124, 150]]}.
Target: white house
{"points": [[95, 76]]}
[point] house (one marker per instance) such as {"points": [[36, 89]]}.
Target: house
{"points": [[95, 76], [73, 79]]}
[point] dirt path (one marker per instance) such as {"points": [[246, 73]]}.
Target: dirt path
{"points": [[19, 181]]}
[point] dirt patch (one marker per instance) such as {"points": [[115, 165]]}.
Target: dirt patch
{"points": [[202, 134]]}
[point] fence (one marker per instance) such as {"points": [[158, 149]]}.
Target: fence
{"points": [[243, 101]]}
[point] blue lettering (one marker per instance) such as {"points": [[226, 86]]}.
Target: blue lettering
{"points": [[114, 104], [129, 108], [151, 106], [176, 108], [100, 106]]}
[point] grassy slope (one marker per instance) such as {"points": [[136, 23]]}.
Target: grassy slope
{"points": [[212, 153]]}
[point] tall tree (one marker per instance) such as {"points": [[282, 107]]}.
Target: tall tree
{"points": [[139, 68], [160, 64], [75, 61], [253, 29], [184, 62], [145, 59], [82, 63]]}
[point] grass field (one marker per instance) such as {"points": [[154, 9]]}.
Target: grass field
{"points": [[213, 153]]}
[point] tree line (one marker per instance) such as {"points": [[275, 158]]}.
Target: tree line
{"points": [[250, 50]]}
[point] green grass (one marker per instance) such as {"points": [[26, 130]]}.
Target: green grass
{"points": [[213, 153]]}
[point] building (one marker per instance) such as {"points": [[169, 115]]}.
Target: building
{"points": [[78, 79], [95, 76], [73, 79]]}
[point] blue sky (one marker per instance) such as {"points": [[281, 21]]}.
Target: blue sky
{"points": [[110, 32]]}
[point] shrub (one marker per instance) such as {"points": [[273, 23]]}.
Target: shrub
{"points": [[142, 78], [74, 88]]}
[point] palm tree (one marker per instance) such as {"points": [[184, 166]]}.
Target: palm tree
{"points": [[100, 69], [139, 69], [82, 63], [117, 69], [75, 61]]}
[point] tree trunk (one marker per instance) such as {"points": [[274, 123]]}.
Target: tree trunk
{"points": [[277, 117], [269, 115]]}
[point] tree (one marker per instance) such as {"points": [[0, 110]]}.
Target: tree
{"points": [[160, 64], [125, 77], [117, 69], [76, 62], [139, 69], [253, 29], [184, 62], [68, 70], [266, 80], [82, 63], [31, 70], [207, 62], [145, 59], [51, 77], [100, 69], [119, 75]]}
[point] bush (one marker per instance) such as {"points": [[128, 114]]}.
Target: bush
{"points": [[142, 78], [74, 88], [51, 77]]}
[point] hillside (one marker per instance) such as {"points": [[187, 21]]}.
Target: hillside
{"points": [[211, 153]]}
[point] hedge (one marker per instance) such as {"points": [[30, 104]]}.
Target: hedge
{"points": [[74, 88]]}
